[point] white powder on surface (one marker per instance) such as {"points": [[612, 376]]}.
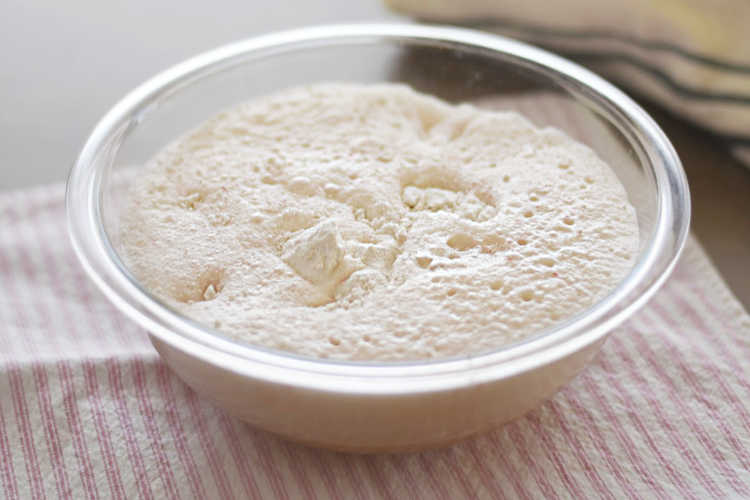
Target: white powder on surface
{"points": [[371, 222]]}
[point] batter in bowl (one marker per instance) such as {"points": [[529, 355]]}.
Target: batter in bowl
{"points": [[372, 222]]}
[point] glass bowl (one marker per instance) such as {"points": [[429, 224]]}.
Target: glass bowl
{"points": [[371, 406]]}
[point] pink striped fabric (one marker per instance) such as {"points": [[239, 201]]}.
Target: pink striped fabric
{"points": [[87, 410]]}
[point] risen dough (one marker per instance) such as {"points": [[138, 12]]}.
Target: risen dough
{"points": [[376, 223]]}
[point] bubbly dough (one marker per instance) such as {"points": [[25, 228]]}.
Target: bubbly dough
{"points": [[372, 222]]}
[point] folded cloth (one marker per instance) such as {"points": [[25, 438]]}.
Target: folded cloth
{"points": [[88, 410], [691, 56]]}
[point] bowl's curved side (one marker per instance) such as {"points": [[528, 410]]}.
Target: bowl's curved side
{"points": [[366, 423]]}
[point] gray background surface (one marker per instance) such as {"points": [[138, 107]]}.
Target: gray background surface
{"points": [[64, 63]]}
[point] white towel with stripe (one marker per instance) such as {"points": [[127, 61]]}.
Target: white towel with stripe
{"points": [[87, 410]]}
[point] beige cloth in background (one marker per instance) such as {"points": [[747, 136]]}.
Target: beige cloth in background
{"points": [[690, 56]]}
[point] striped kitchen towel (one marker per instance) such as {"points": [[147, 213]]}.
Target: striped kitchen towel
{"points": [[87, 410], [690, 56]]}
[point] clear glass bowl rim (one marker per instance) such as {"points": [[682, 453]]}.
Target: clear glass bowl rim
{"points": [[92, 246]]}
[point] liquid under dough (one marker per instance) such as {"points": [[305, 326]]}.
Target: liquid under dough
{"points": [[372, 222]]}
